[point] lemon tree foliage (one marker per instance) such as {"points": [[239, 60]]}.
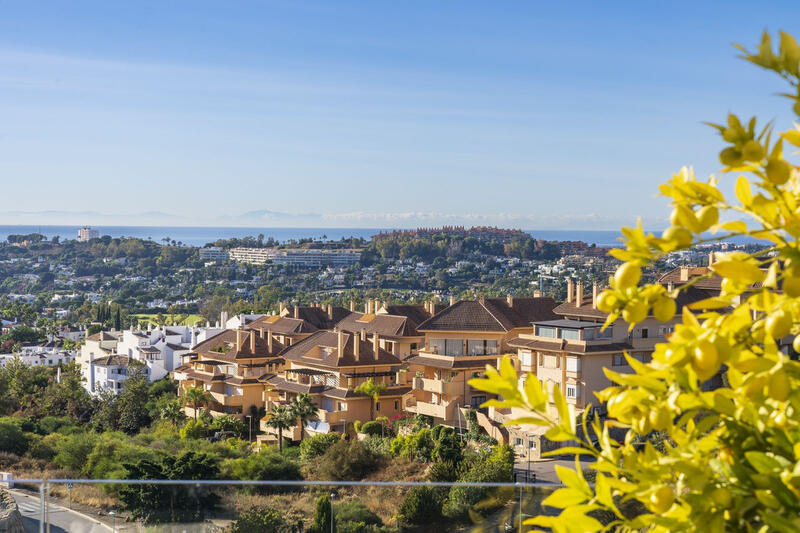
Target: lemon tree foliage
{"points": [[732, 459]]}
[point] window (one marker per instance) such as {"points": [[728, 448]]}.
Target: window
{"points": [[546, 331], [518, 442], [525, 358], [437, 346], [570, 334], [573, 364], [378, 406], [532, 444], [588, 334], [619, 360], [548, 360], [396, 405], [572, 391], [605, 333], [481, 347], [413, 345], [644, 333], [454, 347]]}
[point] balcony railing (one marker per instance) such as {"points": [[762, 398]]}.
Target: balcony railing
{"points": [[47, 504], [438, 386]]}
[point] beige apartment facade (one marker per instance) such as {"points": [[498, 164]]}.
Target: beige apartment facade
{"points": [[229, 367], [330, 366], [459, 342]]}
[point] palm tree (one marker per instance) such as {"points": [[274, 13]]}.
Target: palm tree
{"points": [[172, 412], [280, 418], [196, 396], [303, 409], [374, 391]]}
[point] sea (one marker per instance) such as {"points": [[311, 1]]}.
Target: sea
{"points": [[201, 235]]}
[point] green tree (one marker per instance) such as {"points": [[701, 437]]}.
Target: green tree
{"points": [[132, 401], [280, 418], [322, 516], [734, 464], [196, 397], [266, 520], [303, 409], [374, 391]]}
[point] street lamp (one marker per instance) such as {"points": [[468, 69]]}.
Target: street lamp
{"points": [[332, 512], [250, 428], [114, 515]]}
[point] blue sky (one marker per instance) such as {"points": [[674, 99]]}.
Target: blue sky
{"points": [[368, 114]]}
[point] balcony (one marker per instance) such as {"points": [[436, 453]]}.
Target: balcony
{"points": [[293, 433], [444, 410], [224, 399], [439, 386], [331, 417]]}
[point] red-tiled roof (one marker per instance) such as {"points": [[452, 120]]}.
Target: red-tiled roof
{"points": [[491, 314]]}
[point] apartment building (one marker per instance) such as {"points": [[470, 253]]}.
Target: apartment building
{"points": [[86, 234], [298, 322], [228, 366], [329, 366], [311, 258], [213, 253], [459, 342], [100, 344], [572, 351], [395, 325], [106, 373], [254, 256]]}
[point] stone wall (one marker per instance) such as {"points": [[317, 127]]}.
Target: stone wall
{"points": [[10, 518]]}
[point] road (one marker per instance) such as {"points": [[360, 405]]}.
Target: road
{"points": [[546, 470], [61, 519]]}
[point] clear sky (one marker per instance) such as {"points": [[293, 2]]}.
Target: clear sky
{"points": [[538, 115]]}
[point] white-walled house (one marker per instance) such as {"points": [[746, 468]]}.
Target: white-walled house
{"points": [[106, 356], [40, 356], [106, 373]]}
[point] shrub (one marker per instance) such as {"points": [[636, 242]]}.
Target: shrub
{"points": [[228, 423], [73, 450], [12, 438], [265, 520], [346, 461], [43, 448], [418, 446], [194, 429], [355, 511], [378, 445], [373, 428], [317, 445], [422, 505], [51, 424], [497, 466], [265, 465], [357, 426], [111, 451]]}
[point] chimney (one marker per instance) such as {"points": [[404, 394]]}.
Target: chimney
{"points": [[363, 335], [710, 258], [385, 304], [352, 305], [366, 306], [252, 342], [296, 311], [269, 341], [594, 295], [239, 340], [357, 348], [340, 344], [579, 294], [570, 289], [376, 345], [330, 311], [452, 300], [684, 273], [510, 300], [670, 286], [261, 332], [281, 307]]}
